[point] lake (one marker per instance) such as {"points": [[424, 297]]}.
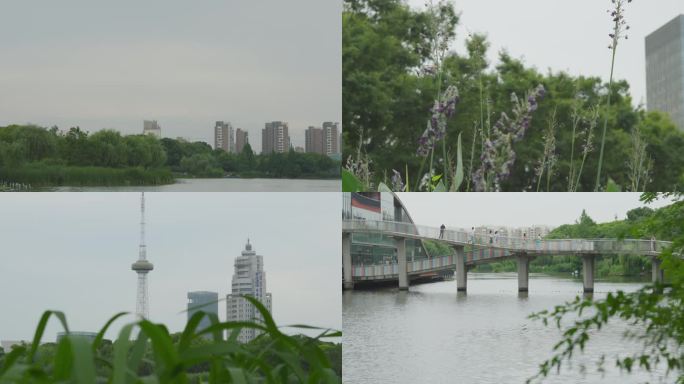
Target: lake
{"points": [[431, 334], [223, 185]]}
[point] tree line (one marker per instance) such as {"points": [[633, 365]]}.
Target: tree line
{"points": [[398, 74], [36, 155]]}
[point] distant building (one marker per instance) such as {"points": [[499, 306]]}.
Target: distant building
{"points": [[331, 138], [90, 336], [299, 149], [249, 278], [151, 127], [241, 139], [665, 70], [202, 301], [275, 138], [224, 136], [323, 140], [313, 140]]}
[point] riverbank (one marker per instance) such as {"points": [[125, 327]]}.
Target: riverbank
{"points": [[39, 175], [219, 185]]}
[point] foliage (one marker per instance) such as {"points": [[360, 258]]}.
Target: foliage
{"points": [[390, 87], [155, 356], [655, 313], [44, 174], [41, 157]]}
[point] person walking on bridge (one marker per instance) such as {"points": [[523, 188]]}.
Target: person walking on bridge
{"points": [[441, 231]]}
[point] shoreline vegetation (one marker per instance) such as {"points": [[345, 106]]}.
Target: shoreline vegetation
{"points": [[35, 157], [608, 266]]}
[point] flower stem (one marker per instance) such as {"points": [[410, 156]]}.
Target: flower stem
{"points": [[605, 122]]}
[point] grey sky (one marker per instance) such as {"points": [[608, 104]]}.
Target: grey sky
{"points": [[465, 210], [73, 252], [566, 35], [185, 64]]}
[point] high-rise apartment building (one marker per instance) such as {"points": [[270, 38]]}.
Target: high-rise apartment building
{"points": [[241, 139], [665, 70], [275, 138], [151, 127], [224, 136], [202, 301], [313, 140], [330, 138], [249, 278]]}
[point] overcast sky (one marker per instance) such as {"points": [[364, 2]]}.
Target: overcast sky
{"points": [[517, 209], [186, 64], [566, 35], [73, 252]]}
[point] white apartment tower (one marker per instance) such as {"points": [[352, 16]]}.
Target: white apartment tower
{"points": [[249, 278]]}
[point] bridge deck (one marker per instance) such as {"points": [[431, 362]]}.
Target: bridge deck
{"points": [[484, 249]]}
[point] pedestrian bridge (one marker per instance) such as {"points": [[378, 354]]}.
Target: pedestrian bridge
{"points": [[473, 249]]}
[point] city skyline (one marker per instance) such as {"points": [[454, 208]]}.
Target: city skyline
{"points": [[185, 232], [242, 61], [562, 46]]}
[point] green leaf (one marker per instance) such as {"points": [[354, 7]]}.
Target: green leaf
{"points": [[350, 183], [84, 364], [41, 329], [440, 187], [384, 188], [458, 176], [120, 351], [613, 186]]}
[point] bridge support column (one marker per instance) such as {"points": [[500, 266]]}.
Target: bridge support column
{"points": [[461, 270], [523, 272], [400, 244], [347, 268], [588, 273], [656, 271]]}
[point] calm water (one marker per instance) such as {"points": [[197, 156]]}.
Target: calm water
{"points": [[226, 185], [431, 334]]}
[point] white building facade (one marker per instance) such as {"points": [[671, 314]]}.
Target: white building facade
{"points": [[249, 278]]}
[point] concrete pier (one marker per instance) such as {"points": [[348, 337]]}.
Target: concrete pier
{"points": [[400, 244], [657, 272], [347, 261], [461, 270], [588, 273], [523, 272]]}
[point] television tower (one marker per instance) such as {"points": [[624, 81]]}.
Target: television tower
{"points": [[142, 267]]}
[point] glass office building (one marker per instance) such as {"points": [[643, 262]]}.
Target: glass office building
{"points": [[665, 70], [202, 301], [373, 248]]}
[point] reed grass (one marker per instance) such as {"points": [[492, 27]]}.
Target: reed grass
{"points": [[278, 358]]}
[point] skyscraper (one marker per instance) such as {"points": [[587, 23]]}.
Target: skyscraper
{"points": [[241, 139], [330, 138], [313, 140], [224, 136], [665, 70], [202, 301], [275, 138], [249, 278], [151, 127], [142, 267]]}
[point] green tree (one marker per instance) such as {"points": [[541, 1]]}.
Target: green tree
{"points": [[654, 313]]}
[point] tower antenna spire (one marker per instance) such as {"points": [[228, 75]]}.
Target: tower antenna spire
{"points": [[142, 267]]}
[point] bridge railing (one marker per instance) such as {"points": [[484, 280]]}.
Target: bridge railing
{"points": [[606, 246]]}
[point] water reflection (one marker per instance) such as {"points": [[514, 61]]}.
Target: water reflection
{"points": [[434, 334]]}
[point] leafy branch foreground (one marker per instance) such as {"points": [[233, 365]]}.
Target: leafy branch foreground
{"points": [[154, 357], [654, 314]]}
